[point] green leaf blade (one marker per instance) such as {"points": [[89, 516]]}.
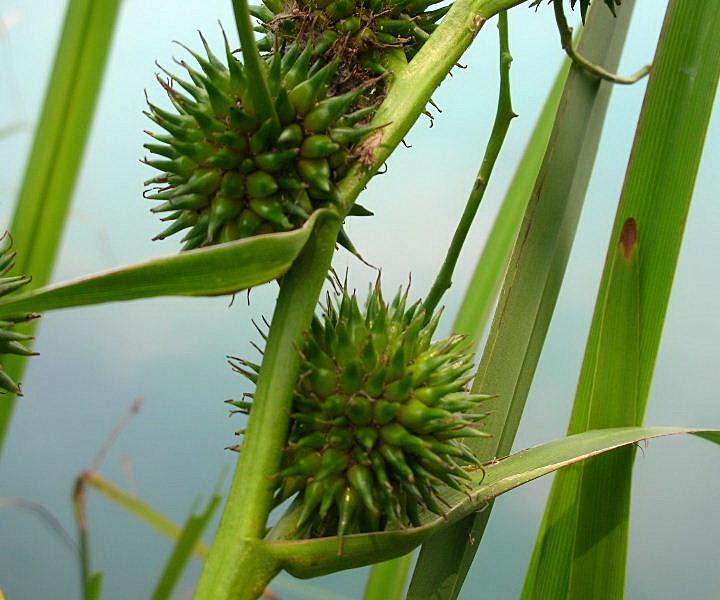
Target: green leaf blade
{"points": [[531, 286], [58, 150], [581, 548], [188, 540], [311, 558], [222, 269], [486, 279]]}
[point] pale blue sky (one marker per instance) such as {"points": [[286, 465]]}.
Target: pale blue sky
{"points": [[171, 352]]}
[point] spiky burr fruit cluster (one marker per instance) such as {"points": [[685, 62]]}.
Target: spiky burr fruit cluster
{"points": [[228, 173], [11, 342], [379, 416], [358, 32]]}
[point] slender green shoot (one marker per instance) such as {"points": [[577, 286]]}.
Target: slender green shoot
{"points": [[503, 117], [186, 543], [485, 281], [257, 72], [387, 580], [566, 40]]}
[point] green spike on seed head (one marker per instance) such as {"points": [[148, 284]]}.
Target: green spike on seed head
{"points": [[584, 5], [11, 342], [380, 413], [358, 32], [226, 174]]}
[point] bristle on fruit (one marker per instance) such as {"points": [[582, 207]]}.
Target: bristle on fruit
{"points": [[11, 342]]}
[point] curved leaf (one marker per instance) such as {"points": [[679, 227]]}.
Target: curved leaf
{"points": [[223, 269], [311, 558]]}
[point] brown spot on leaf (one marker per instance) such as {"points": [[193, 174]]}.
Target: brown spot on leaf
{"points": [[629, 238]]}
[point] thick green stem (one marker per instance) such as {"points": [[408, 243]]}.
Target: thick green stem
{"points": [[243, 523], [503, 116]]}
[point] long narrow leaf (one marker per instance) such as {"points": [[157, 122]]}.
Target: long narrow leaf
{"points": [[387, 580], [582, 544], [311, 558], [486, 279], [189, 538], [58, 149], [531, 286], [222, 269]]}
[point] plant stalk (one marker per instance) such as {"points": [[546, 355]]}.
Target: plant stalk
{"points": [[503, 117], [227, 574], [260, 91]]}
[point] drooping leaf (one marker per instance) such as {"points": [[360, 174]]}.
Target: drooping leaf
{"points": [[137, 507], [311, 558], [223, 269]]}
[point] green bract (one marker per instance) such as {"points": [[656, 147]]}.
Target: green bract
{"points": [[379, 415], [11, 342], [226, 174], [356, 31]]}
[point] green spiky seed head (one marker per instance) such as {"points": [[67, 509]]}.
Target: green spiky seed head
{"points": [[11, 342], [379, 416], [358, 32], [228, 174]]}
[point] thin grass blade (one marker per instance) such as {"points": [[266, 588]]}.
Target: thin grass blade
{"points": [[531, 287], [58, 150], [485, 282], [189, 538], [581, 548], [387, 580]]}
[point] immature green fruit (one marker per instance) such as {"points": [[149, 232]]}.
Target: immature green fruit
{"points": [[226, 173], [379, 416], [11, 342], [358, 32]]}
